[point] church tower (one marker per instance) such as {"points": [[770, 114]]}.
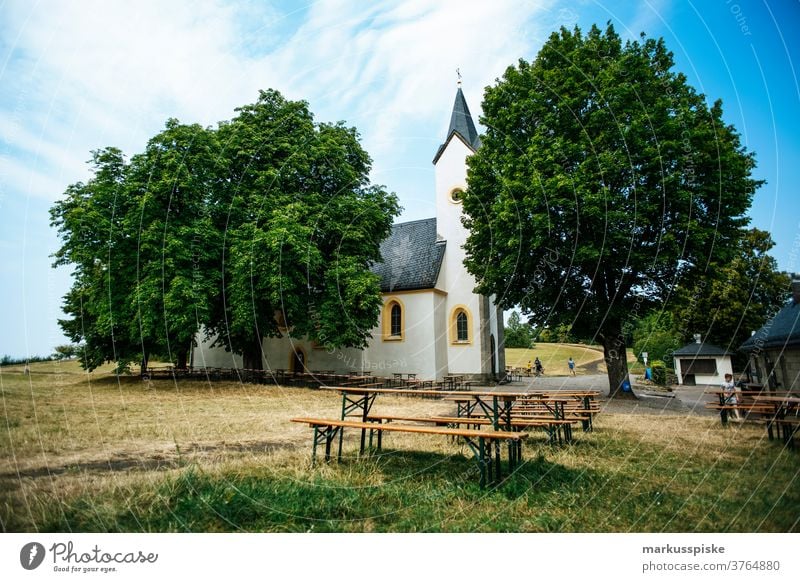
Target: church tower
{"points": [[474, 324]]}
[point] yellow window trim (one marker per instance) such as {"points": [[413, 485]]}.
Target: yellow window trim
{"points": [[386, 323], [454, 327], [456, 189]]}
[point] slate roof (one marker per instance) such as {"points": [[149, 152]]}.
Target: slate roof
{"points": [[460, 123], [783, 330], [412, 257], [695, 350]]}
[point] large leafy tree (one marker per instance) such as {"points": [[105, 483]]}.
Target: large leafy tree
{"points": [[301, 226], [177, 248], [96, 242], [602, 178], [265, 226], [734, 297]]}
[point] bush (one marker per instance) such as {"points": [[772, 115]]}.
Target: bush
{"points": [[659, 371]]}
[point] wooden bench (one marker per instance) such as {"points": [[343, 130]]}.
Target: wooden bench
{"points": [[551, 425], [479, 441], [760, 410]]}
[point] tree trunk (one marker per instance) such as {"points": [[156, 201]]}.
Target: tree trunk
{"points": [[181, 359], [616, 358], [251, 358], [144, 362]]}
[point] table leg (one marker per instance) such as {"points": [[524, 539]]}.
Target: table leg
{"points": [[497, 469], [314, 446], [587, 422], [482, 460]]}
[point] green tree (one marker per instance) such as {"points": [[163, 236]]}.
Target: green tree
{"points": [[96, 242], [302, 227], [66, 351], [733, 298], [177, 256], [656, 335], [602, 178], [267, 225], [518, 334]]}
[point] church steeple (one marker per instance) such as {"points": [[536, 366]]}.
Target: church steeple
{"points": [[461, 121], [461, 124]]}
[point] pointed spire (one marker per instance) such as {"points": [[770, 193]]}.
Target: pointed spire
{"points": [[461, 121]]}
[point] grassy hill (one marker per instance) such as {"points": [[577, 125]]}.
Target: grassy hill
{"points": [[588, 359]]}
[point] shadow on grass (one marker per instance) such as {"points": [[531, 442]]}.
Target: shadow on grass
{"points": [[396, 491]]}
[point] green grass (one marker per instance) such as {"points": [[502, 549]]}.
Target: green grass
{"points": [[574, 490], [91, 454]]}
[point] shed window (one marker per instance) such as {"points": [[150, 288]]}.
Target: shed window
{"points": [[705, 367]]}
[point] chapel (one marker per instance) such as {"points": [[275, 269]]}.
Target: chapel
{"points": [[432, 323]]}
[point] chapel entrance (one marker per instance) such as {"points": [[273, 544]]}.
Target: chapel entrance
{"points": [[298, 363]]}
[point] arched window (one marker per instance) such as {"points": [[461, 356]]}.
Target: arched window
{"points": [[297, 360], [395, 325], [460, 325], [394, 318]]}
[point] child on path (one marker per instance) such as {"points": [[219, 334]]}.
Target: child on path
{"points": [[571, 364], [729, 388]]}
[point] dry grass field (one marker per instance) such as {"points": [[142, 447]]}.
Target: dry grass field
{"points": [[91, 452]]}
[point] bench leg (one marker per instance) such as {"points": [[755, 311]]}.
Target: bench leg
{"points": [[321, 434], [484, 461], [587, 423], [363, 441]]}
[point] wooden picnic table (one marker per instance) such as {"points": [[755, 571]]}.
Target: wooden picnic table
{"points": [[357, 402], [785, 416]]}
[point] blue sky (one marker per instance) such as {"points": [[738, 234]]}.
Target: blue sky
{"points": [[80, 75]]}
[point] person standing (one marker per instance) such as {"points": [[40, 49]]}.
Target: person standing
{"points": [[538, 366], [571, 364], [729, 389]]}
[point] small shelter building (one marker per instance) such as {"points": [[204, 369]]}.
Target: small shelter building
{"points": [[701, 363]]}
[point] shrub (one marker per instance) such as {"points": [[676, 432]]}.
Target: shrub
{"points": [[659, 371]]}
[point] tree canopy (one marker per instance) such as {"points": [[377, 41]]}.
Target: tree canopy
{"points": [[735, 297], [517, 333], [602, 179], [264, 226]]}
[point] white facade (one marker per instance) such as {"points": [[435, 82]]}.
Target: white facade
{"points": [[723, 366], [430, 344]]}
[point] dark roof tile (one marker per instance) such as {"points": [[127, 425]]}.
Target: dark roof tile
{"points": [[783, 330], [461, 124], [412, 257], [700, 350]]}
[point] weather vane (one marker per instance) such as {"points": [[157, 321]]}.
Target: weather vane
{"points": [[458, 72]]}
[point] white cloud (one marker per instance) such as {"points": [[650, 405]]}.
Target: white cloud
{"points": [[90, 74]]}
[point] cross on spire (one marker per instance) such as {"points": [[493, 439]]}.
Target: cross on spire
{"points": [[458, 72]]}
